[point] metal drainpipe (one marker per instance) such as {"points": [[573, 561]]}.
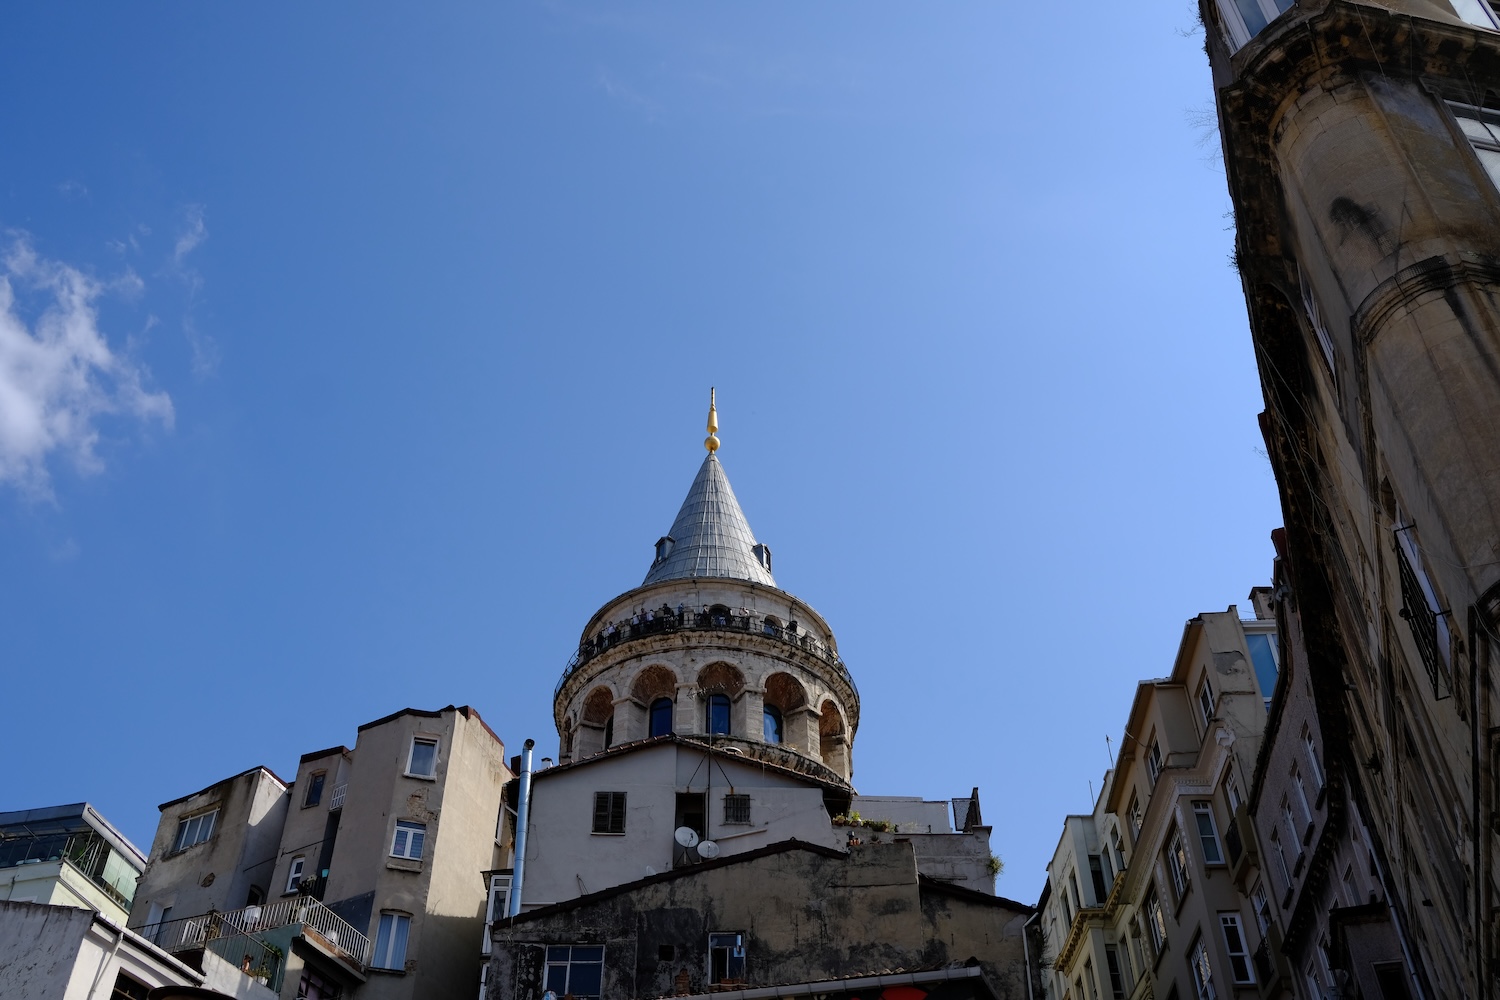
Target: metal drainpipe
{"points": [[523, 816], [1026, 952]]}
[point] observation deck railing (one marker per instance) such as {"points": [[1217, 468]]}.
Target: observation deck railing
{"points": [[664, 620]]}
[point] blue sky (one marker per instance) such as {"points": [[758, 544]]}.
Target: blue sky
{"points": [[354, 355]]}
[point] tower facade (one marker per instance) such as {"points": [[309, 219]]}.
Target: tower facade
{"points": [[1362, 149], [710, 648]]}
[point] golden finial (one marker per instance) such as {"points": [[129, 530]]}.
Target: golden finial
{"points": [[712, 441]]}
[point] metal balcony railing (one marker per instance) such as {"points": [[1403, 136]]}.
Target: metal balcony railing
{"points": [[663, 621], [89, 853], [191, 933]]}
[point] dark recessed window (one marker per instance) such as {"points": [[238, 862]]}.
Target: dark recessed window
{"points": [[665, 953], [609, 812], [314, 789], [718, 714], [772, 725], [661, 716], [736, 808]]}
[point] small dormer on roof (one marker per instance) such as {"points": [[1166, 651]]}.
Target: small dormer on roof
{"points": [[710, 537]]}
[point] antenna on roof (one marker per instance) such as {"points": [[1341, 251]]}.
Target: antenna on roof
{"points": [[712, 441]]}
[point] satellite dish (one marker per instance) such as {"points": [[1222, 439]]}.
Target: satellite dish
{"points": [[708, 850], [686, 836]]}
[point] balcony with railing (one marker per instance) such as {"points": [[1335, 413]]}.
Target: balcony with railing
{"points": [[88, 853], [664, 621], [306, 916]]}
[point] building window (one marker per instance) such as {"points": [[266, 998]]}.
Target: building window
{"points": [[1114, 836], [1077, 897], [1312, 757], [1286, 873], [1234, 945], [1301, 790], [315, 987], [736, 809], [1153, 759], [609, 732], [1135, 816], [1177, 865], [499, 907], [422, 763], [407, 841], [609, 812], [576, 971], [1101, 879], [128, 989], [1206, 701], [726, 958], [1291, 824], [718, 714], [1320, 329], [1262, 907], [195, 830], [1244, 19], [1156, 923], [1208, 836], [1202, 972], [1262, 646], [1423, 612], [1116, 973], [1476, 12], [294, 874], [390, 941], [1088, 974], [661, 717], [1232, 792], [314, 789], [771, 725]]}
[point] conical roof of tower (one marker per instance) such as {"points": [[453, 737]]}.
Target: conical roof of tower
{"points": [[711, 537]]}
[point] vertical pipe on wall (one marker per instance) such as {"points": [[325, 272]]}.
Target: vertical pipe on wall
{"points": [[523, 817]]}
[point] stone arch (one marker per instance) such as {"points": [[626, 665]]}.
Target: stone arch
{"points": [[721, 678], [595, 724], [785, 692], [598, 706], [833, 739], [656, 681], [785, 700]]}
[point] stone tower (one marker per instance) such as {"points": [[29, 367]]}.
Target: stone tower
{"points": [[709, 647]]}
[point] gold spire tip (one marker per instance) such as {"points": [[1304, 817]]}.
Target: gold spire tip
{"points": [[712, 441]]}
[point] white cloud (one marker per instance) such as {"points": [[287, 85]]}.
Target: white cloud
{"points": [[205, 350], [58, 375], [193, 234]]}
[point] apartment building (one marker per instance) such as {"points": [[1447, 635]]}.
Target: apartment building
{"points": [[364, 877], [68, 856], [1140, 900]]}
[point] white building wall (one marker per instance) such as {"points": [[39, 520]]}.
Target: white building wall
{"points": [[65, 953]]}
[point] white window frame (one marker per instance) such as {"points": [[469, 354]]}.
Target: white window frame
{"points": [[1177, 865], [1261, 906], [1232, 930], [1476, 12], [1154, 760], [1406, 532], [202, 826], [1206, 704], [1239, 31], [294, 874], [1201, 971], [497, 908], [1213, 851], [1314, 764], [384, 954], [1320, 328], [1156, 922], [411, 755], [408, 839], [1301, 790]]}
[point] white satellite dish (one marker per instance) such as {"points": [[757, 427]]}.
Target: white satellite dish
{"points": [[686, 836], [708, 850]]}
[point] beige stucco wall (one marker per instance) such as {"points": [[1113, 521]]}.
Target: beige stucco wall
{"points": [[564, 858], [60, 884], [216, 874]]}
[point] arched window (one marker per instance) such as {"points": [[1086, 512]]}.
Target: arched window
{"points": [[772, 725], [661, 716], [718, 714], [609, 732]]}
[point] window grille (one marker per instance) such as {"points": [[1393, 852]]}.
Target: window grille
{"points": [[736, 809]]}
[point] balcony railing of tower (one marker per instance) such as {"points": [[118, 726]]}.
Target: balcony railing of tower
{"points": [[329, 929], [664, 620]]}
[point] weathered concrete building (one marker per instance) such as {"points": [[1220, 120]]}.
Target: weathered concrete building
{"points": [[782, 915], [364, 877], [1140, 898], [1362, 149], [63, 952]]}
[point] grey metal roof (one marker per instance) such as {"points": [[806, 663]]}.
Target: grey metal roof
{"points": [[710, 537]]}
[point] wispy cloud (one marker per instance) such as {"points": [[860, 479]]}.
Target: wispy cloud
{"points": [[58, 374], [204, 349]]}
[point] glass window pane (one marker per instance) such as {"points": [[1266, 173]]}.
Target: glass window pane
{"points": [[423, 757], [1491, 161], [591, 954], [557, 977], [1255, 21], [585, 980], [557, 954], [399, 927]]}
